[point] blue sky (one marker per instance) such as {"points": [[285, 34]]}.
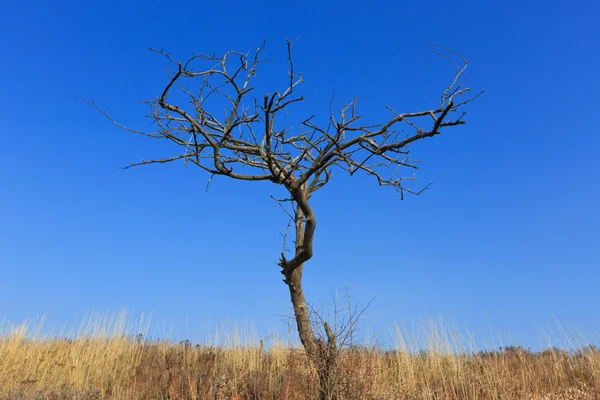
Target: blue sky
{"points": [[507, 237]]}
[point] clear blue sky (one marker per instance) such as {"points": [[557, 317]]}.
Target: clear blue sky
{"points": [[508, 237]]}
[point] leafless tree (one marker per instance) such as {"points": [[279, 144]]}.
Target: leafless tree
{"points": [[246, 143]]}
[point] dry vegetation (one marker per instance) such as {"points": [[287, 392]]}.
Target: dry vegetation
{"points": [[103, 360]]}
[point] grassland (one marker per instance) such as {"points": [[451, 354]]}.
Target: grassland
{"points": [[106, 360]]}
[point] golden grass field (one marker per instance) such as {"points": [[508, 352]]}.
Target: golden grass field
{"points": [[104, 359]]}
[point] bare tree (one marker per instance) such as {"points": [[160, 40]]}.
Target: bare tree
{"points": [[246, 143]]}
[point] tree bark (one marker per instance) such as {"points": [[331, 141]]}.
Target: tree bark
{"points": [[321, 354], [294, 283]]}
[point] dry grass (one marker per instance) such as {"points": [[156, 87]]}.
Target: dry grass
{"points": [[105, 360]]}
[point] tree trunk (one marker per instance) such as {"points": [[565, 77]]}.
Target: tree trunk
{"points": [[321, 354], [294, 283]]}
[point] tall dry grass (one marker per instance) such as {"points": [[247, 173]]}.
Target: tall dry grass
{"points": [[109, 359]]}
